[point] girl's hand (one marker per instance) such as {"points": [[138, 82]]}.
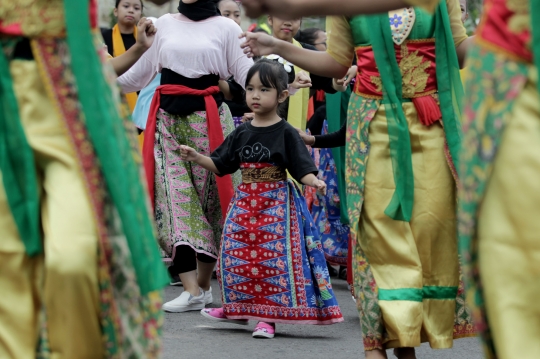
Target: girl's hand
{"points": [[301, 80], [188, 154], [320, 185], [308, 139], [146, 32], [249, 116], [258, 44]]}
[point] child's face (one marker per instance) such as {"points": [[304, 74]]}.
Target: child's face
{"points": [[284, 29], [128, 12], [260, 99], [230, 9]]}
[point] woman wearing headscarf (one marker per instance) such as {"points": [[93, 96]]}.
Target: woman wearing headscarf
{"points": [[193, 50]]}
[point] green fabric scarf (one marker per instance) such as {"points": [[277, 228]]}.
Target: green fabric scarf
{"points": [[450, 93], [113, 150], [17, 165], [535, 29], [336, 113]]}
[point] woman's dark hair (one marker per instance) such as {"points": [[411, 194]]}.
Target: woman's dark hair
{"points": [[272, 74], [119, 1], [308, 36]]}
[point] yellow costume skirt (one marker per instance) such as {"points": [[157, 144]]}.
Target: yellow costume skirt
{"points": [[406, 274], [65, 279], [509, 232]]}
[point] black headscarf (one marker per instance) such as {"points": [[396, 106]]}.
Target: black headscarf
{"points": [[199, 10]]}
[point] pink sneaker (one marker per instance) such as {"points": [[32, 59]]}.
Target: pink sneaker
{"points": [[264, 330], [217, 315]]}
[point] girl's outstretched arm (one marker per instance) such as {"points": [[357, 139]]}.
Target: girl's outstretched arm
{"points": [[312, 181], [317, 62], [189, 154]]}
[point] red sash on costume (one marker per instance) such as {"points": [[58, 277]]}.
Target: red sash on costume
{"points": [[506, 27], [416, 59], [215, 135]]}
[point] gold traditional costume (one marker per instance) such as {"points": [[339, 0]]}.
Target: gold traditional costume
{"points": [[402, 137], [80, 270]]}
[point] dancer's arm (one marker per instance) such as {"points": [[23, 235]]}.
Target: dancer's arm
{"points": [[318, 62], [146, 33], [189, 154], [293, 9]]}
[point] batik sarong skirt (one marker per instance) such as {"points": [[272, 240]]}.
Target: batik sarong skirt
{"points": [[271, 264], [187, 206]]}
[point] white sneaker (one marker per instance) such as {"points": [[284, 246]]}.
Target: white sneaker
{"points": [[185, 303], [208, 299]]}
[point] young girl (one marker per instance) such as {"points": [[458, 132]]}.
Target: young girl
{"points": [[403, 135], [123, 35], [271, 263]]}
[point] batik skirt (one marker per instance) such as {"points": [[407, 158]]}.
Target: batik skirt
{"points": [[187, 206], [325, 210], [271, 264]]}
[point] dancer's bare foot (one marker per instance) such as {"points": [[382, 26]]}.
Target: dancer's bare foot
{"points": [[405, 353], [376, 354]]}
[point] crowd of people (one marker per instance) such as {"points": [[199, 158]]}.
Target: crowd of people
{"points": [[166, 151]]}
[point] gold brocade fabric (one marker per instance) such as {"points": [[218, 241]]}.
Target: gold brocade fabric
{"points": [[36, 18], [508, 233], [265, 174]]}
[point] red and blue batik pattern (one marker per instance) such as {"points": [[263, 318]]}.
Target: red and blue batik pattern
{"points": [[271, 264], [325, 210]]}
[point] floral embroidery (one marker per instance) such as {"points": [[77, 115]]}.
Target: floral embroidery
{"points": [[413, 71], [36, 18], [396, 20]]}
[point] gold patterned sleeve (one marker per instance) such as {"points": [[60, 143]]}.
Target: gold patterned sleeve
{"points": [[340, 40], [459, 33], [428, 5]]}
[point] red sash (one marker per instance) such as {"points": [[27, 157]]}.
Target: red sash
{"points": [[215, 135], [506, 30], [416, 59]]}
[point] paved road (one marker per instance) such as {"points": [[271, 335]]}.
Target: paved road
{"points": [[189, 335]]}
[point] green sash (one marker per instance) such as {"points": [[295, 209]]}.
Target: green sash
{"points": [[450, 93], [17, 165], [107, 133], [336, 114], [535, 30]]}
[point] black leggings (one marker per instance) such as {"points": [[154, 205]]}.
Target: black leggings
{"points": [[186, 259]]}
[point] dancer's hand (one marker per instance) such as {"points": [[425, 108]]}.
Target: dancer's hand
{"points": [[308, 139], [146, 32], [258, 44], [188, 154], [301, 80], [351, 74], [320, 185]]}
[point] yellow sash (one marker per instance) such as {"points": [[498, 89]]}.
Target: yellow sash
{"points": [[119, 49], [298, 103]]}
